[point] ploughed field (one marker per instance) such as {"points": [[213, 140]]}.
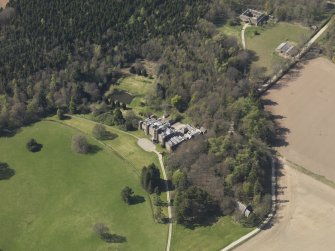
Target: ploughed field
{"points": [[3, 3], [303, 103], [56, 196]]}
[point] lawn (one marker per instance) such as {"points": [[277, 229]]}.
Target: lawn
{"points": [[270, 37], [56, 196], [234, 31], [210, 238], [125, 145], [139, 87]]}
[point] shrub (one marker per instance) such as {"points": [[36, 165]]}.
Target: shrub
{"points": [[127, 194], [103, 232], [5, 171], [33, 146], [150, 178], [80, 144]]}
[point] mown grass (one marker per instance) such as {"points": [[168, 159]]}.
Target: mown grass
{"points": [[139, 87], [234, 31], [210, 238], [56, 196], [270, 37], [124, 144]]}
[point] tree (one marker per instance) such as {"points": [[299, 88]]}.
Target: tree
{"points": [[177, 102], [150, 178], [99, 132], [80, 144], [159, 215], [33, 146], [127, 194], [60, 114], [118, 117], [72, 106], [5, 171], [194, 206]]}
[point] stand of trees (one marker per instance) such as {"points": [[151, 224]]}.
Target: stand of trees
{"points": [[150, 179], [65, 55]]}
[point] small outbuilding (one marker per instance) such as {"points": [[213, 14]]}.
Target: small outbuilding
{"points": [[287, 49]]}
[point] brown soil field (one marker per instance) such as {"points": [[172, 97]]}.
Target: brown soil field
{"points": [[304, 104], [3, 3], [304, 219]]}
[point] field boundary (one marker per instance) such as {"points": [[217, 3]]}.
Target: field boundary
{"points": [[309, 173], [304, 49]]}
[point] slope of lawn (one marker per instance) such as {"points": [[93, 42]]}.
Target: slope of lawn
{"points": [[56, 196], [139, 87], [209, 238], [124, 144], [270, 37]]}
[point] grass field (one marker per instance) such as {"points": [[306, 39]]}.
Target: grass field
{"points": [[56, 196], [210, 238], [139, 87], [270, 37], [234, 31]]}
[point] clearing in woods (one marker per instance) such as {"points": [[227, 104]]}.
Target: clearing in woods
{"points": [[269, 38]]}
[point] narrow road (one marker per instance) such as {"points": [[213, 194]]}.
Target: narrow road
{"points": [[274, 79], [245, 26], [148, 146], [304, 218]]}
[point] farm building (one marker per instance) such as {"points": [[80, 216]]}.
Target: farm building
{"points": [[243, 209], [169, 135], [253, 17], [287, 49]]}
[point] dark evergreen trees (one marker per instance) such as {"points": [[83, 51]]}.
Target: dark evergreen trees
{"points": [[194, 206], [5, 171], [150, 178]]}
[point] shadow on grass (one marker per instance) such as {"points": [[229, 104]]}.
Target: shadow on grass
{"points": [[137, 199], [113, 238], [6, 172], [93, 149]]}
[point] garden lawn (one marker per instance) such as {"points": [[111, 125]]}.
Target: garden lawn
{"points": [[271, 36], [139, 87], [56, 196], [125, 144], [210, 238]]}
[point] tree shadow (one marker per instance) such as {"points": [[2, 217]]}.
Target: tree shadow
{"points": [[268, 102], [111, 136], [37, 148], [137, 199], [6, 172], [205, 222], [113, 238], [9, 133], [93, 149]]}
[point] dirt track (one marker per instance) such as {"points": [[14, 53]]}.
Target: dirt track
{"points": [[304, 103], [305, 217]]}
